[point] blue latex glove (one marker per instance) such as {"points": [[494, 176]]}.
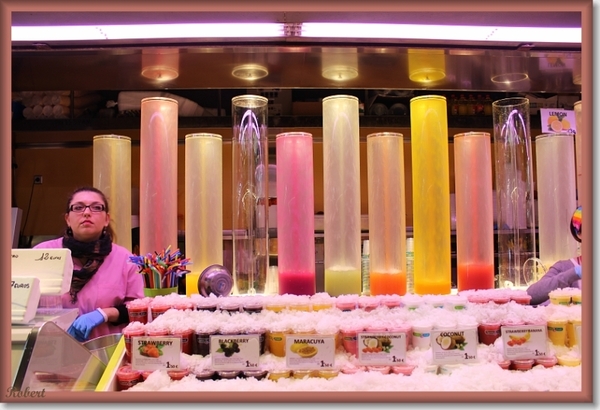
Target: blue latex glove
{"points": [[578, 270], [83, 325]]}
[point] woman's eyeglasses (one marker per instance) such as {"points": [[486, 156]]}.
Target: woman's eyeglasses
{"points": [[79, 208]]}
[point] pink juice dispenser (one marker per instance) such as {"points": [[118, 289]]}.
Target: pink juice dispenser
{"points": [[295, 215]]}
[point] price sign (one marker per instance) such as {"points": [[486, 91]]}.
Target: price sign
{"points": [[524, 342], [381, 348], [155, 352], [235, 352], [309, 352], [556, 120], [454, 346]]}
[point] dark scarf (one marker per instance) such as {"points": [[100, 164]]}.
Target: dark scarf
{"points": [[94, 252]]}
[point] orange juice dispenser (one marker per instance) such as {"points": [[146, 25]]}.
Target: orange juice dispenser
{"points": [[203, 205], [431, 195], [474, 211], [341, 181], [387, 213]]}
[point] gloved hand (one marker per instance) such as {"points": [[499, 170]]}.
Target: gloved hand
{"points": [[578, 270], [83, 325]]}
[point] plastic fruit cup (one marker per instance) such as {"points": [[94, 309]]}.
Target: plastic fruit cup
{"points": [[546, 361], [479, 299], [127, 377], [576, 299], [253, 307], [255, 374], [500, 300], [557, 331], [380, 369], [329, 373], [392, 302], [207, 304], [300, 306], [202, 345], [206, 374], [138, 313], [406, 329], [229, 374], [523, 364], [178, 374], [345, 306], [146, 373], [488, 332], [322, 305], [301, 374], [350, 339], [505, 364], [187, 342], [352, 370], [275, 306], [405, 369], [158, 309], [128, 334], [157, 332], [276, 341], [564, 300], [279, 374], [368, 304], [569, 361], [521, 299]]}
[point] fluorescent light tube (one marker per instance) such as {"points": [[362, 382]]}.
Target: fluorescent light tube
{"points": [[146, 31], [441, 32]]}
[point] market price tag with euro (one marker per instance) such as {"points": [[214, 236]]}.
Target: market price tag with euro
{"points": [[386, 348], [454, 346], [155, 352], [309, 351], [235, 352], [524, 342]]}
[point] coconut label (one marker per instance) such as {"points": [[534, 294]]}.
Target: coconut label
{"points": [[454, 346], [381, 348], [310, 352]]}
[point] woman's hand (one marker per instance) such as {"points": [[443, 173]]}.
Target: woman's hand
{"points": [[83, 325]]}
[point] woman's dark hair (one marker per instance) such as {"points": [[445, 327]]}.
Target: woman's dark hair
{"points": [[109, 228]]}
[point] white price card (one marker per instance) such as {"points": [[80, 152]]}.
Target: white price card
{"points": [[155, 352], [235, 352], [524, 342], [381, 348], [555, 120], [309, 351], [454, 346]]}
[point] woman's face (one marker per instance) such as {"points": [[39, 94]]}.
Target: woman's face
{"points": [[87, 224]]}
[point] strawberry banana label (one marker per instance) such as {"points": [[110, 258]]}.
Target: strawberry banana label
{"points": [[524, 342]]}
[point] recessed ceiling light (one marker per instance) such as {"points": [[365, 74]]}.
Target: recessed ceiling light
{"points": [[160, 73], [339, 73], [250, 72]]}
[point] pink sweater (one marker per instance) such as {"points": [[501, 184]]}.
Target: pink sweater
{"points": [[116, 281]]}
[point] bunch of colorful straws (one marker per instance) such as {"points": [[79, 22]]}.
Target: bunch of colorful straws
{"points": [[161, 270]]}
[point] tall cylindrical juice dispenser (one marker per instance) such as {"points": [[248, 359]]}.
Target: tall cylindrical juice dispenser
{"points": [[515, 207], [474, 211], [112, 175], [555, 165], [578, 142], [250, 180], [158, 174], [341, 181], [431, 194], [387, 213], [203, 205], [295, 215]]}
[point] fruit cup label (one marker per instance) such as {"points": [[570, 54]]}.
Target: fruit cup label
{"points": [[454, 346], [558, 120], [381, 348], [309, 352], [524, 342], [235, 352], [155, 352]]}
